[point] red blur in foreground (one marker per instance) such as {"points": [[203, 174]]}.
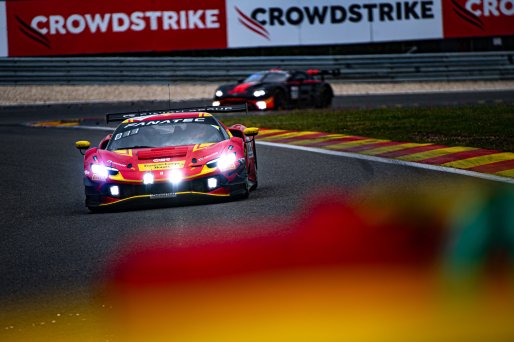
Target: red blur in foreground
{"points": [[331, 233], [340, 271]]}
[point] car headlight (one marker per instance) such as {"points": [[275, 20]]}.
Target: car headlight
{"points": [[103, 171], [262, 105], [148, 178], [226, 161], [218, 93], [259, 93], [175, 176], [100, 170]]}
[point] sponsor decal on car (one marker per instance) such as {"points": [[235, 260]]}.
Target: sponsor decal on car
{"points": [[164, 195], [161, 166], [164, 122]]}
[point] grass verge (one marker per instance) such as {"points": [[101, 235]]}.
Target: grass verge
{"points": [[485, 126]]}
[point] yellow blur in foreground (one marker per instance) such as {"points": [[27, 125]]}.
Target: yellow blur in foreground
{"points": [[434, 264]]}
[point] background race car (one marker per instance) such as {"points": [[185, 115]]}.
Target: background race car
{"points": [[170, 155], [279, 89]]}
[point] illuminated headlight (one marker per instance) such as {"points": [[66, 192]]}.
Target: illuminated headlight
{"points": [[148, 178], [99, 170], [115, 190], [261, 105], [212, 183], [226, 161], [216, 103], [102, 171], [219, 93], [259, 93], [175, 176]]}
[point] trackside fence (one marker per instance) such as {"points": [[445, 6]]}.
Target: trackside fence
{"points": [[358, 68]]}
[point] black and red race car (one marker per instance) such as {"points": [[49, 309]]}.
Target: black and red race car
{"points": [[279, 89], [169, 155]]}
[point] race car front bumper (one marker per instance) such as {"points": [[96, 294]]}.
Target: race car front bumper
{"points": [[99, 195], [253, 103]]}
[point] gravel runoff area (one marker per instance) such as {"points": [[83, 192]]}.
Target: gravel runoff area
{"points": [[47, 94]]}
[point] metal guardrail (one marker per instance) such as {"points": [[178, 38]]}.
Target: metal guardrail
{"points": [[362, 68]]}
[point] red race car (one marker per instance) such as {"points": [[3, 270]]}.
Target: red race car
{"points": [[167, 155]]}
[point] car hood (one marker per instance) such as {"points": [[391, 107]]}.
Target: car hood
{"points": [[191, 159], [242, 88]]}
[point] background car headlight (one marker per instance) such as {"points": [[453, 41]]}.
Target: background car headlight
{"points": [[216, 103], [219, 93], [226, 161], [261, 105], [259, 93], [99, 170]]}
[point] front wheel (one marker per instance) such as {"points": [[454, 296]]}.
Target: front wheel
{"points": [[279, 100]]}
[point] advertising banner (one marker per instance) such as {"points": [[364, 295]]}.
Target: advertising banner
{"points": [[286, 22], [478, 18], [67, 27], [58, 27]]}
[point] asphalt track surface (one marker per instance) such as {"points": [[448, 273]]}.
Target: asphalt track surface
{"points": [[50, 243]]}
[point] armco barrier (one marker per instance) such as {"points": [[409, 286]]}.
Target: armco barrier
{"points": [[366, 68]]}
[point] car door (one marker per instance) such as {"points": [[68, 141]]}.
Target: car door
{"points": [[300, 89]]}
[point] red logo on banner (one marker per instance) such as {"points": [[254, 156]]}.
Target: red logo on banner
{"points": [[62, 27], [251, 24], [475, 18]]}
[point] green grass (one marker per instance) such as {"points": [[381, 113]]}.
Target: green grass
{"points": [[485, 126]]}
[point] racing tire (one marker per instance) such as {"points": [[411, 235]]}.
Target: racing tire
{"points": [[254, 186], [325, 98], [247, 191], [279, 100]]}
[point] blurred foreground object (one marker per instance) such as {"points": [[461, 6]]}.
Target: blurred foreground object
{"points": [[436, 263], [420, 268]]}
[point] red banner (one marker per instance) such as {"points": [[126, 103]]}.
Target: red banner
{"points": [[478, 18], [61, 27], [70, 27]]}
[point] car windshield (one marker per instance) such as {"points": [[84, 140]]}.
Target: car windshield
{"points": [[268, 77], [161, 133]]}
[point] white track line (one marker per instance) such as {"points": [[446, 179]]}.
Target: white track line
{"points": [[354, 156]]}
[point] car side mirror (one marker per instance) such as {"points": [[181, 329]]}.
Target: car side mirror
{"points": [[251, 131], [82, 145], [241, 80]]}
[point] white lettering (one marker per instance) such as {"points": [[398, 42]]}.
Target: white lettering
{"points": [[471, 6], [120, 22], [211, 18], [97, 22], [183, 20], [36, 21], [138, 23], [194, 19], [153, 19], [57, 24], [490, 6], [504, 7], [134, 21], [75, 24], [169, 20]]}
